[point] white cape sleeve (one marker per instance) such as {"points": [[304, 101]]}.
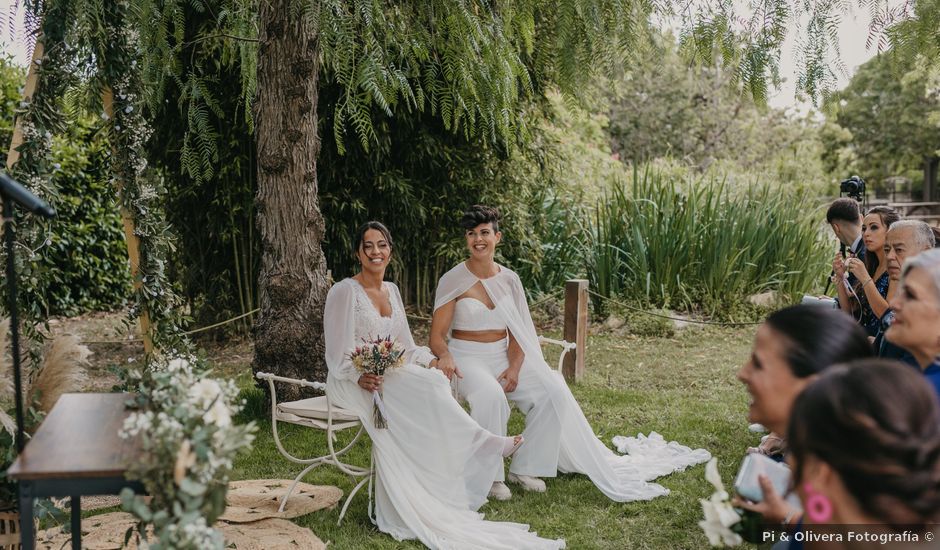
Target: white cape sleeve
{"points": [[339, 329], [452, 284]]}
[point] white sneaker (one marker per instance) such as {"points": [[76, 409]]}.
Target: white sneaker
{"points": [[528, 483], [757, 428], [499, 491]]}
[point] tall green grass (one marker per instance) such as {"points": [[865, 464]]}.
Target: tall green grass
{"points": [[698, 245]]}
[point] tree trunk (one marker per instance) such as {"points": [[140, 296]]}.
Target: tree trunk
{"points": [[293, 281], [931, 165]]}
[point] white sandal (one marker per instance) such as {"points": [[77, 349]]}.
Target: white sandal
{"points": [[508, 451]]}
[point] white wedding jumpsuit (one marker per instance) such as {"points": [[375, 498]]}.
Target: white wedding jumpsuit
{"points": [[434, 464], [558, 436]]}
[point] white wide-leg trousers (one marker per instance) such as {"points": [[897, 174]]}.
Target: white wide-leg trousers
{"points": [[481, 364]]}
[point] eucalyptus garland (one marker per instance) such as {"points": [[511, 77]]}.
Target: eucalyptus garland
{"points": [[182, 417], [140, 191], [40, 118], [184, 422]]}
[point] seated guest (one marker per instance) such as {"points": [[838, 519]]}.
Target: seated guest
{"points": [[865, 451], [873, 289], [790, 349], [905, 238], [916, 325]]}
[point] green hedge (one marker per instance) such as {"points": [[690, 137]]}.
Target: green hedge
{"points": [[83, 266]]}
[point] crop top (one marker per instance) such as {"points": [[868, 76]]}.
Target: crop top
{"points": [[473, 315]]}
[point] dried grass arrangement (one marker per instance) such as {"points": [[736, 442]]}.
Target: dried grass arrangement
{"points": [[61, 370]]}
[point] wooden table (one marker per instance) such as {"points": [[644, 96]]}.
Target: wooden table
{"points": [[76, 451]]}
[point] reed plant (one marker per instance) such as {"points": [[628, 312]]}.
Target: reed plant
{"points": [[700, 245]]}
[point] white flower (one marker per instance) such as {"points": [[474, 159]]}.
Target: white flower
{"points": [[720, 516], [718, 532], [207, 393], [177, 364], [712, 476], [218, 415]]}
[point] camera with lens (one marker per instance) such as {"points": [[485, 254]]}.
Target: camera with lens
{"points": [[853, 187]]}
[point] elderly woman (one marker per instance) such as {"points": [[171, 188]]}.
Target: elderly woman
{"points": [[791, 348], [916, 307], [865, 451]]}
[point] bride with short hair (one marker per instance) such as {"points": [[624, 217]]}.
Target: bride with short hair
{"points": [[484, 335], [433, 463]]}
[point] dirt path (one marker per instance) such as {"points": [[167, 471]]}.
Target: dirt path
{"points": [[115, 345]]}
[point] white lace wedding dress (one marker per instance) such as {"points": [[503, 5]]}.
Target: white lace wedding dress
{"points": [[434, 464]]}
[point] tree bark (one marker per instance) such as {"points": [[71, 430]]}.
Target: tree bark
{"points": [[931, 165], [293, 281]]}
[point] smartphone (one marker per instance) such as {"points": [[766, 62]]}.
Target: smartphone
{"points": [[819, 301], [755, 464]]}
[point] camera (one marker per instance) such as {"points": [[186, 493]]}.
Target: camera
{"points": [[853, 187]]}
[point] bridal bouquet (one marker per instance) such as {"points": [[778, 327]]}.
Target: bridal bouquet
{"points": [[376, 357]]}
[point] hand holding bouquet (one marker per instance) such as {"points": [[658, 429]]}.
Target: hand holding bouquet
{"points": [[376, 357]]}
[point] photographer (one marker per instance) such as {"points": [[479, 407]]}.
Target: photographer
{"points": [[845, 219]]}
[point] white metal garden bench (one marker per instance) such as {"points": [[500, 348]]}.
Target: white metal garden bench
{"points": [[318, 413], [566, 345]]}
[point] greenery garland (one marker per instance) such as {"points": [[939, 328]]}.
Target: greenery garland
{"points": [[183, 417], [139, 190], [184, 422], [40, 118]]}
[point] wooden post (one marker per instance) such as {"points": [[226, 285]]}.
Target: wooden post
{"points": [[576, 325], [133, 242], [32, 77]]}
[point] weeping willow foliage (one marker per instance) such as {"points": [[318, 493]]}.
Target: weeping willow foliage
{"points": [[469, 63], [748, 36], [472, 63]]}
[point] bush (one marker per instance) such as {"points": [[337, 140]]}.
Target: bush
{"points": [[697, 245], [652, 325], [83, 265]]}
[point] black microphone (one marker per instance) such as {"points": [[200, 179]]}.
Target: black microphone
{"points": [[22, 196]]}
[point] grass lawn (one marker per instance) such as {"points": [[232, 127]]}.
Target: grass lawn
{"points": [[682, 387]]}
